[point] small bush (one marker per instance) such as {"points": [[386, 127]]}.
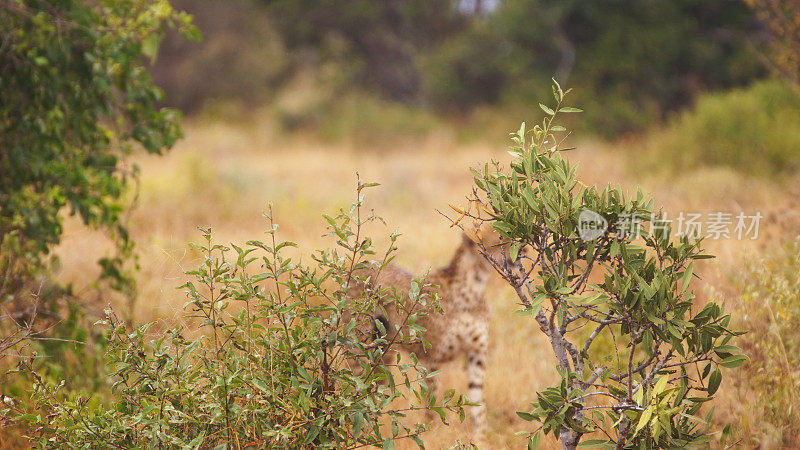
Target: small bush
{"points": [[284, 358], [60, 344], [771, 313], [754, 130]]}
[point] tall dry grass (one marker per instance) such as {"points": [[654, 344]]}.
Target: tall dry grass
{"points": [[222, 175]]}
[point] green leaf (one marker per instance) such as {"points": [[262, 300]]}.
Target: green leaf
{"points": [[536, 304], [568, 109], [594, 442], [260, 385], [547, 110], [388, 444], [638, 397], [526, 416], [535, 441], [687, 277], [358, 423], [733, 361], [150, 46], [644, 419], [726, 349], [312, 434], [596, 299], [714, 381], [514, 252], [614, 251], [661, 384]]}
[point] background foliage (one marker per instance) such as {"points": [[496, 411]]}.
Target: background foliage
{"points": [[754, 130], [782, 18], [454, 55]]}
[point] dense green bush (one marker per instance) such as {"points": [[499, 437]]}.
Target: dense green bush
{"points": [[771, 314], [589, 264], [753, 130], [76, 98], [284, 357]]}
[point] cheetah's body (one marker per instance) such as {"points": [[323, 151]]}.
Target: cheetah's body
{"points": [[461, 328]]}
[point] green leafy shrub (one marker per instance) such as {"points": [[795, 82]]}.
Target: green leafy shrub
{"points": [[771, 314], [62, 347], [590, 263], [76, 99], [755, 130], [284, 358]]}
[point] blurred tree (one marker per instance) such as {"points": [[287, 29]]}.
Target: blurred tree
{"points": [[782, 18], [239, 58], [466, 69], [639, 59], [75, 99], [634, 59], [380, 40]]}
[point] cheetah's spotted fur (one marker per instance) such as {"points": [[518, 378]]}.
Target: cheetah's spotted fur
{"points": [[462, 326]]}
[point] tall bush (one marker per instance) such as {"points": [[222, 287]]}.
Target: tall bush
{"points": [[599, 275], [75, 100]]}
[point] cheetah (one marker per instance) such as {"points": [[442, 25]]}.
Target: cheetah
{"points": [[461, 328]]}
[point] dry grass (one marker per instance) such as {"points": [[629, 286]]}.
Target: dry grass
{"points": [[223, 175]]}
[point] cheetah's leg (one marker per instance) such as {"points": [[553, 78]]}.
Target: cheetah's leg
{"points": [[476, 374]]}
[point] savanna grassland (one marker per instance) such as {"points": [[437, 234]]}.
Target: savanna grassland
{"points": [[128, 129], [224, 174]]}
